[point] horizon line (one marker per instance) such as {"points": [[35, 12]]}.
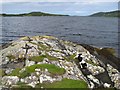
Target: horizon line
{"points": [[60, 13]]}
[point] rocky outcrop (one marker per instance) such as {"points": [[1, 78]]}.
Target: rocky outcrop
{"points": [[40, 59]]}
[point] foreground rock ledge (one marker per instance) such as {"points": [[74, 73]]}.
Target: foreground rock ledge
{"points": [[47, 62]]}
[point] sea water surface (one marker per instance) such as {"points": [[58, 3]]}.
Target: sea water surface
{"points": [[96, 31]]}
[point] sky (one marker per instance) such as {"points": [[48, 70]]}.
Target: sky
{"points": [[71, 7]]}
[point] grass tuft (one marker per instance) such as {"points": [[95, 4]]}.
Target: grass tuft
{"points": [[15, 72], [54, 70], [65, 83], [40, 58], [37, 58]]}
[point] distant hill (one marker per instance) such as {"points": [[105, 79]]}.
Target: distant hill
{"points": [[107, 14], [33, 14]]}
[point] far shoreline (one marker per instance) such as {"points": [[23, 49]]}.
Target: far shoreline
{"points": [[115, 13]]}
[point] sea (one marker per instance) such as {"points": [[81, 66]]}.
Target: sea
{"points": [[95, 31]]}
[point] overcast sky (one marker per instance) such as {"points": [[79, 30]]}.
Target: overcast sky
{"points": [[73, 7]]}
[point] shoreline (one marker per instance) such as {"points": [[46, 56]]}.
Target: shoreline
{"points": [[86, 46]]}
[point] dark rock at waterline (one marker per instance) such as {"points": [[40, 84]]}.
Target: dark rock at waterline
{"points": [[104, 54]]}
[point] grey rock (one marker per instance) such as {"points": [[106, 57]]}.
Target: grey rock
{"points": [[10, 80]]}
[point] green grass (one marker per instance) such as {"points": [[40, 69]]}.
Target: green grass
{"points": [[71, 57], [51, 57], [40, 58], [21, 83], [54, 70], [37, 58], [65, 83], [15, 72], [21, 87]]}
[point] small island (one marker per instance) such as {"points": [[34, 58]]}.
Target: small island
{"points": [[107, 14], [33, 14]]}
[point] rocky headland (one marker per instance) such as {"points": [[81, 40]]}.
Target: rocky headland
{"points": [[47, 62]]}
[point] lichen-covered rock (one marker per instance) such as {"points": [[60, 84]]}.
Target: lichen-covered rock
{"points": [[95, 69], [29, 63], [114, 74], [10, 80], [23, 57]]}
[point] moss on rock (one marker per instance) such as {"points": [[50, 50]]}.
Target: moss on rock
{"points": [[2, 72]]}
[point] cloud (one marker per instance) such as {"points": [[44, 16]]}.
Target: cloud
{"points": [[87, 1], [80, 12]]}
